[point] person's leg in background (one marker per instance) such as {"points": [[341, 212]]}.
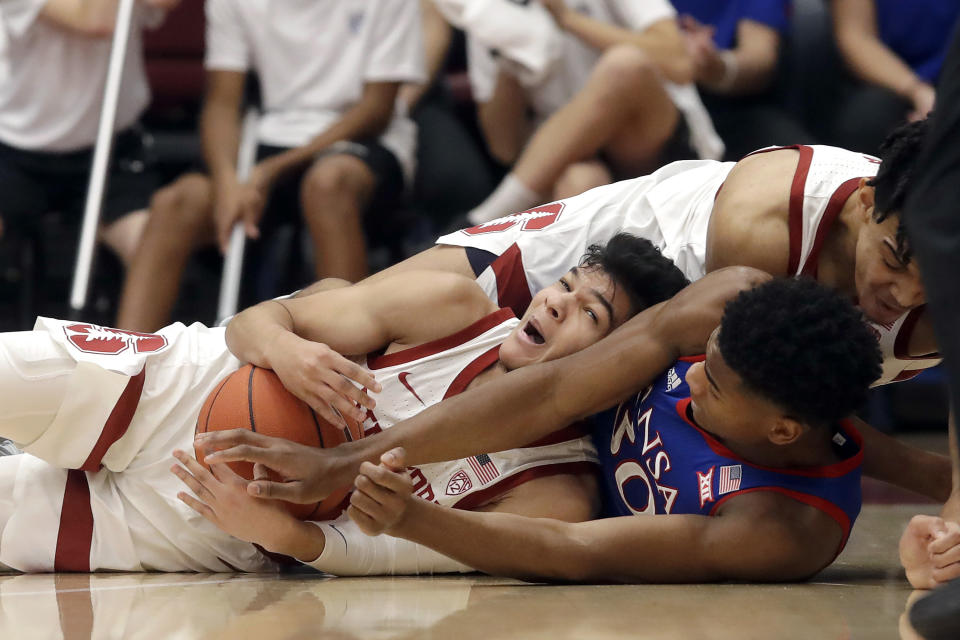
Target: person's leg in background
{"points": [[605, 116], [179, 220], [336, 193]]}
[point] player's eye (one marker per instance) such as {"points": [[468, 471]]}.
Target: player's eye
{"points": [[891, 260], [564, 284], [593, 316]]}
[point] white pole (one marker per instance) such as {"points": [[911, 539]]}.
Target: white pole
{"points": [[101, 157], [233, 261]]}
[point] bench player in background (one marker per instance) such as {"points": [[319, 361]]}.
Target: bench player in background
{"points": [[333, 145], [53, 63]]}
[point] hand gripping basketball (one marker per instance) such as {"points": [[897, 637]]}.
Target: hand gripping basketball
{"points": [[255, 400], [323, 379], [306, 474]]}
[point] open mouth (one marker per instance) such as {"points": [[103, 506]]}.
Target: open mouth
{"points": [[533, 334]]}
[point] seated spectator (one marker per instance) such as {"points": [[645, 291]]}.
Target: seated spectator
{"points": [[607, 84], [53, 61], [894, 51], [453, 173], [735, 46], [332, 146]]}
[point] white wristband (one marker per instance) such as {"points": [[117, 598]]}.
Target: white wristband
{"points": [[350, 552]]}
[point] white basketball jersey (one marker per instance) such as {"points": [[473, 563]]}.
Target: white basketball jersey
{"points": [[671, 208], [829, 176], [94, 490], [421, 376]]}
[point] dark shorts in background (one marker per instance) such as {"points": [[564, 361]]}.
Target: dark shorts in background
{"points": [[37, 182], [284, 203]]}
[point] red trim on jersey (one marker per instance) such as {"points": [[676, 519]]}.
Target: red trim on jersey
{"points": [[574, 431], [816, 502], [907, 374], [118, 422], [472, 370], [487, 494], [901, 344], [75, 536], [479, 327], [834, 470], [693, 359], [795, 212], [834, 206], [513, 291]]}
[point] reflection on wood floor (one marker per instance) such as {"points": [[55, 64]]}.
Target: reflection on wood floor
{"points": [[861, 596]]}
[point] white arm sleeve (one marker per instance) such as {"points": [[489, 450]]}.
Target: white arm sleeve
{"points": [[350, 552]]}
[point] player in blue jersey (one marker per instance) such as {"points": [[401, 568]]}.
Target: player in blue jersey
{"points": [[744, 454]]}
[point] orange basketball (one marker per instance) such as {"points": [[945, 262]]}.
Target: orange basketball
{"points": [[254, 398]]}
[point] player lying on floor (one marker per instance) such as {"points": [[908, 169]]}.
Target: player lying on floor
{"points": [[828, 213], [99, 412], [744, 454]]}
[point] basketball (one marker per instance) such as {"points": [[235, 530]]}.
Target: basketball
{"points": [[254, 398]]}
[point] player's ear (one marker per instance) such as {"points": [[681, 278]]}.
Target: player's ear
{"points": [[866, 195], [785, 430]]}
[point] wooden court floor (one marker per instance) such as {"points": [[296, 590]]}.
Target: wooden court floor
{"points": [[862, 595]]}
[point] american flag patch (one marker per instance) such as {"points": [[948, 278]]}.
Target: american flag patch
{"points": [[730, 478], [483, 466]]}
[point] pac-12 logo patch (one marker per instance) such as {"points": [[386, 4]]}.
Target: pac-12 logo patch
{"points": [[459, 483], [89, 338]]}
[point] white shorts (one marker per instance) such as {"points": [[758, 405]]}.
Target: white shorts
{"points": [[99, 412]]}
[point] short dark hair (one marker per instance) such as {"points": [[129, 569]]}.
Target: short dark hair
{"points": [[634, 263], [898, 159], [802, 346]]}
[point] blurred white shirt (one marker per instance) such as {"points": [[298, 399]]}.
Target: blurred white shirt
{"points": [[313, 58], [52, 79]]}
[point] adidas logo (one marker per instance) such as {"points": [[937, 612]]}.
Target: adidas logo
{"points": [[673, 380]]}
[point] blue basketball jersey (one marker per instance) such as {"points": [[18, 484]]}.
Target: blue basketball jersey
{"points": [[655, 460]]}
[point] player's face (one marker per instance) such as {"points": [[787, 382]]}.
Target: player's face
{"points": [[569, 315], [721, 405], [886, 287]]}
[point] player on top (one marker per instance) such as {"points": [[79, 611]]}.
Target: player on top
{"points": [[819, 211], [99, 412], [743, 454]]}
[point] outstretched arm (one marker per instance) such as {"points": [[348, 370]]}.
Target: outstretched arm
{"points": [[761, 537], [500, 415]]}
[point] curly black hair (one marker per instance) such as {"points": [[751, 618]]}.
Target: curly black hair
{"points": [[638, 266], [898, 157], [802, 346]]}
